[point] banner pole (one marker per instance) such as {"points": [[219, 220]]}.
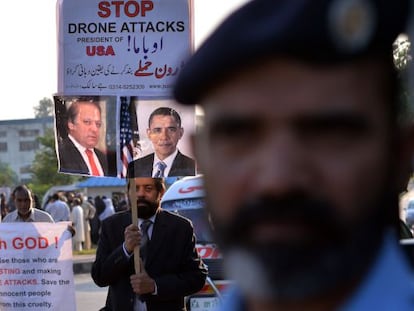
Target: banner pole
{"points": [[134, 210]]}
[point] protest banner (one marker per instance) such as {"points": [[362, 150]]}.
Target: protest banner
{"points": [[123, 50], [132, 48], [36, 268]]}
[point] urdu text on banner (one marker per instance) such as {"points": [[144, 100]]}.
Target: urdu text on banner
{"points": [[122, 47]]}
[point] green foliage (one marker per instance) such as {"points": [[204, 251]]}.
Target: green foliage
{"points": [[45, 165], [8, 178], [44, 109]]}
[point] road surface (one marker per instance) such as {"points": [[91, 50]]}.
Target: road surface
{"points": [[89, 297]]}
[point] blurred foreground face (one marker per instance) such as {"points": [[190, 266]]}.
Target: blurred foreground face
{"points": [[296, 160], [23, 201]]}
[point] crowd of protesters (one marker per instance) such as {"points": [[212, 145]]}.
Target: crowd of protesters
{"points": [[85, 213]]}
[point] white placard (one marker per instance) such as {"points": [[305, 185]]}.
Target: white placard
{"points": [[132, 48], [36, 267]]}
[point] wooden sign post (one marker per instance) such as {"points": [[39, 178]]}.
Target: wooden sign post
{"points": [[134, 210]]}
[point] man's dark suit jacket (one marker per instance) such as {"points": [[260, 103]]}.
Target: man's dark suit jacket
{"points": [[172, 261], [71, 160], [182, 166]]}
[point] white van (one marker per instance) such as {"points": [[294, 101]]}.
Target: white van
{"points": [[186, 197]]}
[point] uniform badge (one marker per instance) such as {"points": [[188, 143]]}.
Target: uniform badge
{"points": [[351, 24]]}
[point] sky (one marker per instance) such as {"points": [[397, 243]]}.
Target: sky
{"points": [[28, 54]]}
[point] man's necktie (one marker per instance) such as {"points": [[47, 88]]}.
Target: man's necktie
{"points": [[94, 168], [144, 238], [160, 169]]}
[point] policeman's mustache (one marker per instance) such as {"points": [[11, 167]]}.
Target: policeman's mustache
{"points": [[318, 216]]}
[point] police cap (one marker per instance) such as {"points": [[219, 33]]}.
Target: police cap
{"points": [[321, 31]]}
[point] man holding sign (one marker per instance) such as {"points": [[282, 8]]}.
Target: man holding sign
{"points": [[25, 210], [170, 265]]}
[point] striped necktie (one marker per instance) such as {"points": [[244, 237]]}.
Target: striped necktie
{"points": [[145, 238], [160, 169]]}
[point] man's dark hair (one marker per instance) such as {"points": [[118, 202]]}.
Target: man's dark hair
{"points": [[73, 110], [22, 188], [158, 182], [165, 111]]}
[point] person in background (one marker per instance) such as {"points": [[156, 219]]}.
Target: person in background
{"points": [[25, 211], [305, 148], [68, 197], [3, 206], [95, 222], [172, 268], [77, 218], [109, 209], [123, 206], [89, 212], [58, 208]]}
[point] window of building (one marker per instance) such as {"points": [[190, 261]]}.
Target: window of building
{"points": [[29, 145], [25, 169], [3, 147], [3, 133], [29, 133], [26, 180]]}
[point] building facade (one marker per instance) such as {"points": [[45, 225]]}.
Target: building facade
{"points": [[18, 143]]}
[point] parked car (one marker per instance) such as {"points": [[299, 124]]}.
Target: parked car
{"points": [[186, 197]]}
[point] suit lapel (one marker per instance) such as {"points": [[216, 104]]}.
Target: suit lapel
{"points": [[176, 165], [75, 162], [159, 233]]}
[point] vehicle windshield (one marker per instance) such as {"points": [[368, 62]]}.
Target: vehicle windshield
{"points": [[194, 210]]}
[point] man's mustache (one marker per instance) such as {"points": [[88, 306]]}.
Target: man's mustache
{"points": [[295, 208], [143, 201]]}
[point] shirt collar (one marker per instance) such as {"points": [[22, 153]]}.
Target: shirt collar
{"points": [[31, 217], [168, 160], [390, 273], [77, 145], [388, 285], [152, 218]]}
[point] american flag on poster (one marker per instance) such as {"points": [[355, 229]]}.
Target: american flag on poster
{"points": [[128, 133]]}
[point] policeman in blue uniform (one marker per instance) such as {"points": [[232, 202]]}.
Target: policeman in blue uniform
{"points": [[305, 148]]}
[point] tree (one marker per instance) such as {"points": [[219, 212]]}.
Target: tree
{"points": [[8, 178], [45, 165], [44, 109]]}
